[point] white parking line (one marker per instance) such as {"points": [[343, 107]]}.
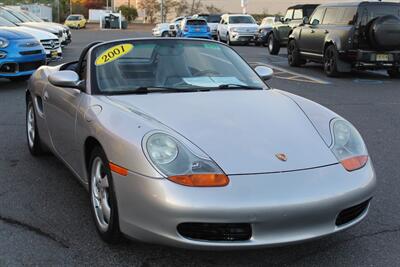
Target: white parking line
{"points": [[295, 75]]}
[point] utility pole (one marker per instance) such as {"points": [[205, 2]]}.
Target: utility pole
{"points": [[70, 7], [162, 11]]}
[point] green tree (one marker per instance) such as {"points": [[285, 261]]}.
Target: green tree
{"points": [[130, 13]]}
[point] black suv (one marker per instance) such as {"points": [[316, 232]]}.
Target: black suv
{"points": [[281, 29], [346, 36]]}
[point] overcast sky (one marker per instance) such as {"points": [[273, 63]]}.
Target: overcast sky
{"points": [[257, 6]]}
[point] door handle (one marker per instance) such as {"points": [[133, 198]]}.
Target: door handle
{"points": [[46, 96]]}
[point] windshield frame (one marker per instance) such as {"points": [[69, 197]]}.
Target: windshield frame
{"points": [[91, 81]]}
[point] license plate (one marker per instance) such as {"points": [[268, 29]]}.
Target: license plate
{"points": [[54, 54], [197, 29], [382, 57]]}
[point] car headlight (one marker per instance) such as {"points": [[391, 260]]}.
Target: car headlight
{"points": [[234, 29], [4, 43], [179, 164], [348, 145]]}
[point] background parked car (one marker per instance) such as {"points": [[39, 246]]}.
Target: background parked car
{"points": [[161, 30], [346, 36], [265, 29], [20, 54], [174, 26], [212, 20], [19, 18], [66, 31], [237, 28], [194, 28], [76, 21], [282, 29], [49, 41]]}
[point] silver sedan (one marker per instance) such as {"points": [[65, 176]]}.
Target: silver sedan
{"points": [[181, 142]]}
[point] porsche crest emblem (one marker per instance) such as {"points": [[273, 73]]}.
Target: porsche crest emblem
{"points": [[281, 156]]}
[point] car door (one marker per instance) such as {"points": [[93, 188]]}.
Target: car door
{"points": [[284, 27], [223, 27], [60, 109], [311, 33]]}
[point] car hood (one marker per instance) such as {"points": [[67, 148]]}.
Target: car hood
{"points": [[37, 34], [42, 26], [11, 33], [242, 131]]}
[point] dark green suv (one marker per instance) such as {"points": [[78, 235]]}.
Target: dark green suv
{"points": [[283, 28], [346, 36]]}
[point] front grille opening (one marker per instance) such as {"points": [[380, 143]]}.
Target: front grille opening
{"points": [[28, 66], [8, 68], [215, 231], [32, 52], [352, 213]]}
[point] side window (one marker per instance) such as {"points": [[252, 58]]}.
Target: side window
{"points": [[289, 14], [349, 16], [317, 16], [332, 15], [298, 14]]}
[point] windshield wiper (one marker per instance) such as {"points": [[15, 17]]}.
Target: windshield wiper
{"points": [[238, 86], [155, 89]]}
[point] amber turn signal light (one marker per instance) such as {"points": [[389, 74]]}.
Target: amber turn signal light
{"points": [[118, 169], [201, 180], [354, 163]]}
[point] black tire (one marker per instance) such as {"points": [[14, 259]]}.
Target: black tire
{"points": [[294, 57], [218, 37], [113, 234], [19, 78], [273, 45], [394, 73], [331, 58], [34, 143], [228, 39], [78, 27], [165, 34]]}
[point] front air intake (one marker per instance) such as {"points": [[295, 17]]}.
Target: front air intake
{"points": [[352, 213], [215, 231]]}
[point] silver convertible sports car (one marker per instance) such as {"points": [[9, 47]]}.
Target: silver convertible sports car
{"points": [[181, 142]]}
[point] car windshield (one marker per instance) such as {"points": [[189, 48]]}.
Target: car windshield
{"points": [[21, 16], [134, 66], [5, 14], [241, 20], [6, 23], [33, 17], [74, 17]]}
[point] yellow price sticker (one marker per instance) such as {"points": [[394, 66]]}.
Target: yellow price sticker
{"points": [[113, 53]]}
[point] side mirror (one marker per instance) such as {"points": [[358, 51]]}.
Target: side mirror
{"points": [[306, 20], [65, 78], [315, 22], [264, 72]]}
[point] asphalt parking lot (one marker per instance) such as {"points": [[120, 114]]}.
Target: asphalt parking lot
{"points": [[44, 212]]}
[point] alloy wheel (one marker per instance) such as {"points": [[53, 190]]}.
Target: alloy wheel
{"points": [[100, 194]]}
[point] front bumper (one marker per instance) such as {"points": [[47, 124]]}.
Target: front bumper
{"points": [[197, 35], [54, 54], [282, 208], [243, 37]]}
